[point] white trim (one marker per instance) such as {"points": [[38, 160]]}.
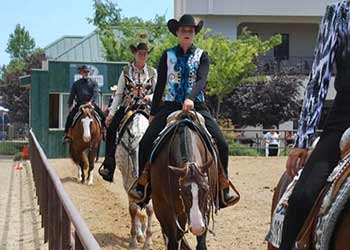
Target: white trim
{"points": [[56, 129], [60, 110]]}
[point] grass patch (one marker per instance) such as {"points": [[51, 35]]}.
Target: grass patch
{"points": [[10, 147]]}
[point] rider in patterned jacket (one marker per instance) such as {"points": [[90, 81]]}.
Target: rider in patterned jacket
{"points": [[139, 73], [333, 47], [182, 74]]}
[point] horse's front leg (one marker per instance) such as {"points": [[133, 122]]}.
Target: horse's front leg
{"points": [[92, 155], [133, 209], [148, 241], [81, 174], [201, 241]]}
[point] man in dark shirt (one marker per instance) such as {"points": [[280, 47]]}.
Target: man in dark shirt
{"points": [[182, 74], [84, 90]]}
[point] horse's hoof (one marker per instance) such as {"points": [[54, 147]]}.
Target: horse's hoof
{"points": [[90, 183], [148, 246], [140, 238], [133, 245]]}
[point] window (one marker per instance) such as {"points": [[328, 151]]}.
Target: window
{"points": [[281, 52], [58, 110], [54, 110]]}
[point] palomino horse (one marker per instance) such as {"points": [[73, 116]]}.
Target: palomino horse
{"points": [[341, 233], [132, 129], [184, 184], [85, 136]]}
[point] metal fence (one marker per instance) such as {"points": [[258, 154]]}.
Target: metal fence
{"points": [[294, 65], [63, 227], [254, 139]]}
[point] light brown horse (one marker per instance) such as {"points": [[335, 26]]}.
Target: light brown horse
{"points": [[85, 139], [184, 186]]}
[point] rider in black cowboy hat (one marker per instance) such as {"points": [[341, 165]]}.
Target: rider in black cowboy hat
{"points": [[138, 72], [182, 74], [84, 90]]}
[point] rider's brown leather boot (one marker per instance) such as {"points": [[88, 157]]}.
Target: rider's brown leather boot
{"points": [[138, 192], [225, 184]]}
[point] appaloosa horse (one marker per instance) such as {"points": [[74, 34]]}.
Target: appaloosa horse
{"points": [[184, 185], [133, 128], [85, 138], [341, 232]]}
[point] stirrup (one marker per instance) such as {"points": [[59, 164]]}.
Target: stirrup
{"points": [[235, 198], [138, 199]]}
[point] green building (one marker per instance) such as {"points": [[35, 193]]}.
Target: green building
{"points": [[50, 87]]}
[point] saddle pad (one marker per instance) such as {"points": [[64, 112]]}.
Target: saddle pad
{"points": [[332, 205], [274, 235]]}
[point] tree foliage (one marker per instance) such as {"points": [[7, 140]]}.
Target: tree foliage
{"points": [[23, 58], [266, 103], [20, 44]]}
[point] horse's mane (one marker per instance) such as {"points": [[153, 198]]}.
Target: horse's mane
{"points": [[185, 142]]}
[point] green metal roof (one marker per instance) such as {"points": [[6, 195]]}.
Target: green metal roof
{"points": [[61, 45]]}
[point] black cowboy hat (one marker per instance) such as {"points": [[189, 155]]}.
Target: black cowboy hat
{"points": [[185, 20], [140, 46], [84, 68]]}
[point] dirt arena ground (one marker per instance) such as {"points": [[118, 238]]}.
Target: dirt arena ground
{"points": [[242, 227]]}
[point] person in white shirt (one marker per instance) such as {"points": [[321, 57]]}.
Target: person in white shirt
{"points": [[272, 142]]}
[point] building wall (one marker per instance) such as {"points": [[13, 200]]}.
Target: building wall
{"points": [[302, 37], [251, 7]]}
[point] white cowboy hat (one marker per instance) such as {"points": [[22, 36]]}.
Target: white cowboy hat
{"points": [[114, 88]]}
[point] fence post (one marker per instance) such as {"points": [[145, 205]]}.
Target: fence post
{"points": [[66, 231]]}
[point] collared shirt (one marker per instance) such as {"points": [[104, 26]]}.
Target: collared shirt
{"points": [[137, 76], [197, 87], [83, 91], [332, 45]]}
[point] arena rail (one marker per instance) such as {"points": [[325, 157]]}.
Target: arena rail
{"points": [[63, 226]]}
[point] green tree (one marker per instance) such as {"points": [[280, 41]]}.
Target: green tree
{"points": [[14, 97], [20, 43], [117, 33], [232, 60]]}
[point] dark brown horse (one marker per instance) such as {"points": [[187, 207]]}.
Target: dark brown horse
{"points": [[85, 138], [184, 186]]}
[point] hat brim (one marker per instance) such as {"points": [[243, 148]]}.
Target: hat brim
{"points": [[173, 25], [134, 49], [83, 69]]}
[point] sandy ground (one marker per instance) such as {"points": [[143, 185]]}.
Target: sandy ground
{"points": [[242, 227], [20, 224]]}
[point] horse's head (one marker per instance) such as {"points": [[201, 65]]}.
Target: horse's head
{"points": [[86, 120], [195, 195]]}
